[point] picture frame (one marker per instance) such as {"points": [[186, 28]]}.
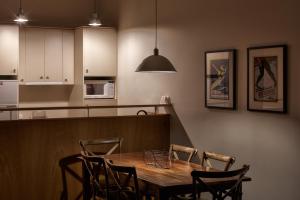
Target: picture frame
{"points": [[220, 79], [266, 79]]}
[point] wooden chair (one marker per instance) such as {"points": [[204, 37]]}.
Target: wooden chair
{"points": [[94, 169], [219, 193], [142, 112], [65, 165], [116, 142], [177, 150], [96, 181], [207, 156], [126, 180]]}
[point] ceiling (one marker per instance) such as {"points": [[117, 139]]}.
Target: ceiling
{"points": [[66, 13]]}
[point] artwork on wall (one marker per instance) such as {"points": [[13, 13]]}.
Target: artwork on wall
{"points": [[267, 78], [220, 81]]}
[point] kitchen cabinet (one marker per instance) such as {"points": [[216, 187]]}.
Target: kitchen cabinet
{"points": [[95, 56], [9, 49], [68, 56], [53, 55], [34, 55], [47, 56], [99, 51]]}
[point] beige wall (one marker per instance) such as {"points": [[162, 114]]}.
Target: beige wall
{"points": [[270, 143], [44, 96]]}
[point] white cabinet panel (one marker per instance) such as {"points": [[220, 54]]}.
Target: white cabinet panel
{"points": [[46, 56], [35, 55], [22, 55], [99, 52], [53, 55], [68, 56], [9, 49]]}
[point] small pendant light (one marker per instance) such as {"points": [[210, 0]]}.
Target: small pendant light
{"points": [[156, 62], [21, 18], [95, 21]]}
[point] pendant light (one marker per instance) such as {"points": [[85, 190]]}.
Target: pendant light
{"points": [[21, 18], [156, 62], [95, 21]]}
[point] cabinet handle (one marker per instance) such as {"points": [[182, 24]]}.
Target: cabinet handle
{"points": [[47, 77], [22, 80], [86, 71], [66, 80], [14, 71], [41, 77]]}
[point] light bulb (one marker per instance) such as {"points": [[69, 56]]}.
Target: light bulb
{"points": [[95, 21]]}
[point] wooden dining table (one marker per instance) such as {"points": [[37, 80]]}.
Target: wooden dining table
{"points": [[163, 183]]}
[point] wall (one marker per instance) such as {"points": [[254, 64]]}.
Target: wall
{"points": [[270, 143], [44, 96]]}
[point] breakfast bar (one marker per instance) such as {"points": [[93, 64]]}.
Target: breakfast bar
{"points": [[30, 149]]}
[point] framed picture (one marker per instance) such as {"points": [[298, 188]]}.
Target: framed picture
{"points": [[220, 80], [267, 68]]}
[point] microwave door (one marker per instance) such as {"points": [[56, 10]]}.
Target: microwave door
{"points": [[99, 89], [94, 90]]}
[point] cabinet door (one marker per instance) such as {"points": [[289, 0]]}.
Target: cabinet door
{"points": [[9, 49], [99, 52], [53, 55], [35, 60], [68, 56], [22, 56]]}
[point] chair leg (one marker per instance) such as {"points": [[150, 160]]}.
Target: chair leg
{"points": [[239, 192], [199, 195]]}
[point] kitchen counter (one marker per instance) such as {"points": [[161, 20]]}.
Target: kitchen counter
{"points": [[30, 150], [26, 113]]}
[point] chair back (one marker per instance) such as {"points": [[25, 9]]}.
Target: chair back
{"points": [[219, 193], [66, 164], [142, 112], [97, 177], [207, 156], [125, 178], [116, 142], [177, 150]]}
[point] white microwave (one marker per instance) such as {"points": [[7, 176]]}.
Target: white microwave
{"points": [[99, 89]]}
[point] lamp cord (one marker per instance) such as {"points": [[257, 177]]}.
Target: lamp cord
{"points": [[95, 4], [20, 3], [156, 24]]}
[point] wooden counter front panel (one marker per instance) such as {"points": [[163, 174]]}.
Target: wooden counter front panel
{"points": [[30, 150]]}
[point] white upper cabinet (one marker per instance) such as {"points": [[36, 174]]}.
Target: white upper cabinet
{"points": [[9, 49], [34, 55], [46, 56], [53, 55], [68, 56], [99, 52]]}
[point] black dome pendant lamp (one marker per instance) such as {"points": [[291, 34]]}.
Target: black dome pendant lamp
{"points": [[156, 62]]}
